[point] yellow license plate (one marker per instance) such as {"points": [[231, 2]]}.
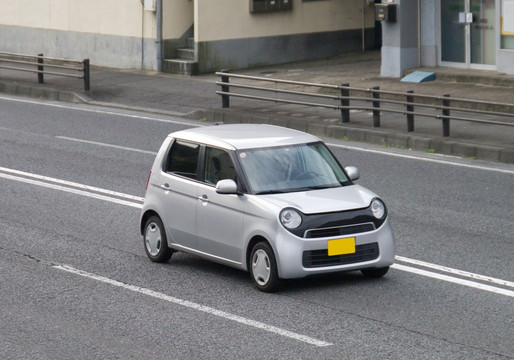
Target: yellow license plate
{"points": [[341, 246]]}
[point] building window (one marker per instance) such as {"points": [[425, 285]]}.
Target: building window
{"points": [[507, 24]]}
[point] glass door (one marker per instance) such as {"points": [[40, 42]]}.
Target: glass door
{"points": [[468, 33], [482, 32]]}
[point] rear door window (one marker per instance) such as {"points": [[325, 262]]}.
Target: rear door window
{"points": [[183, 159]]}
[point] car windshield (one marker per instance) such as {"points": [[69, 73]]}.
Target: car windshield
{"points": [[291, 168]]}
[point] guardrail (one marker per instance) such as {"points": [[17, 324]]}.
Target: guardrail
{"points": [[442, 110], [39, 64]]}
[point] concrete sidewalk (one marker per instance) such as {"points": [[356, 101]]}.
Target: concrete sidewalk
{"points": [[195, 98]]}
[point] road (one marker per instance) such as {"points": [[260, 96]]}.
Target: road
{"points": [[76, 283]]}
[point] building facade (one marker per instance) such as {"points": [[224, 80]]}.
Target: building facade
{"points": [[221, 33], [147, 34], [472, 34]]}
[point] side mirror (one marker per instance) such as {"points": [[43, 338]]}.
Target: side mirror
{"points": [[226, 186], [352, 172]]}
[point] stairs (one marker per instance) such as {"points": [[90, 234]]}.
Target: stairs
{"points": [[184, 61]]}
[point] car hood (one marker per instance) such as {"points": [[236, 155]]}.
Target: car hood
{"points": [[324, 200]]}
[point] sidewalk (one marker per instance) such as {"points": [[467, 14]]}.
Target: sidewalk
{"points": [[195, 98]]}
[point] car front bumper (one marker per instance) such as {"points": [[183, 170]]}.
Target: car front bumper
{"points": [[374, 249]]}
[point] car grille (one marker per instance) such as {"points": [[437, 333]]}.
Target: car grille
{"points": [[319, 258], [339, 230]]}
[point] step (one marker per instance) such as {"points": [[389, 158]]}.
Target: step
{"points": [[185, 53], [180, 66]]}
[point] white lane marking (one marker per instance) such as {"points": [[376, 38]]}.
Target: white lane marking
{"points": [[348, 147], [21, 175], [136, 202], [420, 158], [454, 280], [107, 145], [412, 157], [73, 191], [195, 306], [105, 112], [458, 272]]}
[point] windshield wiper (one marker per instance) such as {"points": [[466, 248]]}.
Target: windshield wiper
{"points": [[318, 187], [266, 192]]}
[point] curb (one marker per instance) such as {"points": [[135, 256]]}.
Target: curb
{"points": [[47, 93], [370, 136], [39, 92]]}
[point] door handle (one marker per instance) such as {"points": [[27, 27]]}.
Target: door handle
{"points": [[165, 186], [203, 198]]}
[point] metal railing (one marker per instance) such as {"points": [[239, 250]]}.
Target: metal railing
{"points": [[438, 107], [40, 64]]}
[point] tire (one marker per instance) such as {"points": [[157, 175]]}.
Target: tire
{"points": [[155, 242], [263, 268], [375, 273]]}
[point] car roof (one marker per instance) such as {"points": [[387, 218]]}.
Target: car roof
{"points": [[245, 136]]}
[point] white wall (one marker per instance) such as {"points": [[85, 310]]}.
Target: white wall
{"points": [[112, 17], [231, 19], [177, 18]]}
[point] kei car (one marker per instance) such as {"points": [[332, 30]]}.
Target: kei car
{"points": [[269, 200]]}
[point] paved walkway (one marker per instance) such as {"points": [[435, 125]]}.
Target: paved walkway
{"points": [[194, 97]]}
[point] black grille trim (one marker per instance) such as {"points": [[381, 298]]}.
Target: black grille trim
{"points": [[320, 258], [339, 230]]}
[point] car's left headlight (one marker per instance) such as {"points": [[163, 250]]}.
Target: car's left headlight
{"points": [[378, 209], [290, 218]]}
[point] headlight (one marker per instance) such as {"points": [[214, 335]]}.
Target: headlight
{"points": [[290, 218], [378, 208]]}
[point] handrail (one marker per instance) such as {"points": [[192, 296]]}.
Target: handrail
{"points": [[343, 99], [340, 87], [40, 62]]}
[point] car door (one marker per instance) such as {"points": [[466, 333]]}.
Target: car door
{"points": [[179, 183], [219, 220]]}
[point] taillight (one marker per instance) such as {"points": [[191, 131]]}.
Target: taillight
{"points": [[148, 181]]}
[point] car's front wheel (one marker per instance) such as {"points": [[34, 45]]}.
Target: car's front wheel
{"points": [[375, 272], [155, 242], [263, 268]]}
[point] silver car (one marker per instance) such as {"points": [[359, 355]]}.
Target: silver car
{"points": [[269, 200]]}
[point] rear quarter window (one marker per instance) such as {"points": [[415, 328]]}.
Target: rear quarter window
{"points": [[183, 159]]}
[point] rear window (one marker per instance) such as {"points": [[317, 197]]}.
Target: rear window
{"points": [[183, 159]]}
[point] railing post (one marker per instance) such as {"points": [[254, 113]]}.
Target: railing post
{"points": [[376, 105], [225, 99], [410, 108], [345, 111], [446, 112], [86, 74], [40, 69]]}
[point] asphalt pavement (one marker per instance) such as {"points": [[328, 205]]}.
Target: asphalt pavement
{"points": [[76, 283], [195, 98]]}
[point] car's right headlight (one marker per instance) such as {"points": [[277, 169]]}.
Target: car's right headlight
{"points": [[290, 218], [378, 209]]}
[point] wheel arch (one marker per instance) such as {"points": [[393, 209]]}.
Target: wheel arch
{"points": [[253, 241], [145, 217]]}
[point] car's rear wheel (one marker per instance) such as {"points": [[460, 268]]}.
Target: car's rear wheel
{"points": [[375, 272], [263, 268], [155, 242]]}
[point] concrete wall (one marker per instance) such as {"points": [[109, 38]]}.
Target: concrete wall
{"points": [[231, 19], [429, 32], [400, 40], [119, 33], [505, 61], [235, 38], [114, 33]]}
